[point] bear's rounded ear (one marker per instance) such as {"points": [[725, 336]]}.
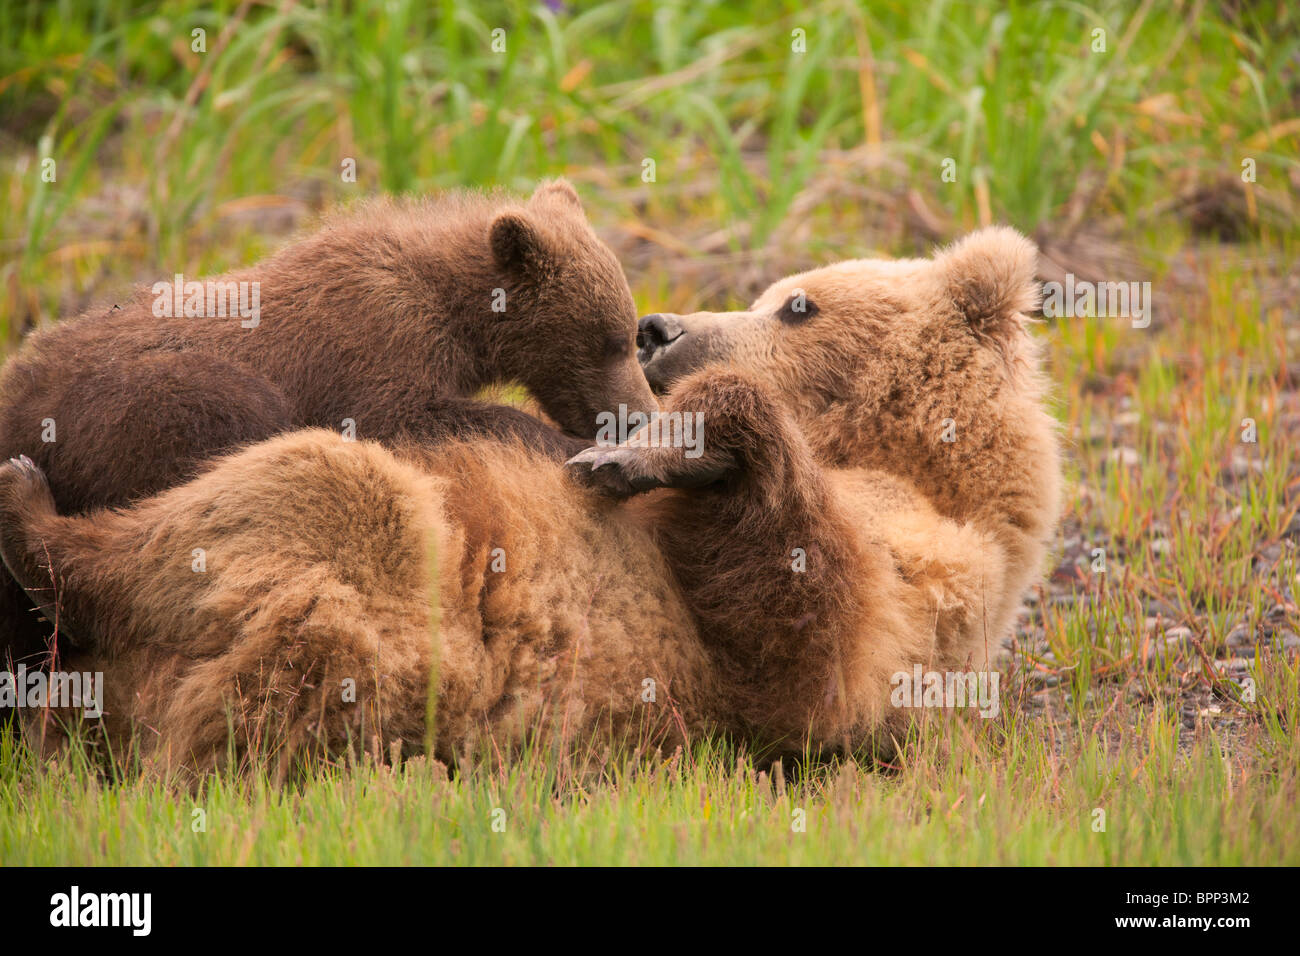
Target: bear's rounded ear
{"points": [[560, 191], [990, 276], [517, 243]]}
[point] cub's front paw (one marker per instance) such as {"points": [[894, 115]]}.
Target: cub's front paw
{"points": [[618, 472]]}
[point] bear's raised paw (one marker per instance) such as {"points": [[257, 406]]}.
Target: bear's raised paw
{"points": [[618, 472]]}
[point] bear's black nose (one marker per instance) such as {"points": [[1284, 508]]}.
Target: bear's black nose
{"points": [[655, 331]]}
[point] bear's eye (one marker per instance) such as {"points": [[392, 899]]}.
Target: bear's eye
{"points": [[798, 308]]}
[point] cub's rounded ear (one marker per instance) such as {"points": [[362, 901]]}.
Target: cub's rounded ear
{"points": [[517, 243], [559, 191], [990, 276]]}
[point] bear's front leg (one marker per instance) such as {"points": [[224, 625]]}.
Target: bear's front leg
{"points": [[442, 418], [766, 554], [720, 430], [625, 470]]}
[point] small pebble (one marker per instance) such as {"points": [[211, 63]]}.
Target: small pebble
{"points": [[1125, 456], [1241, 635]]}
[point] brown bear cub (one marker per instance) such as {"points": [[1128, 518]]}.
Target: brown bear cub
{"points": [[876, 484], [383, 324]]}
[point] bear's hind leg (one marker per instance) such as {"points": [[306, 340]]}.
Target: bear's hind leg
{"points": [[316, 669], [125, 430]]}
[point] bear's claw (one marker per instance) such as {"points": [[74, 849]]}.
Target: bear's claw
{"points": [[614, 472], [24, 471], [25, 467], [22, 486]]}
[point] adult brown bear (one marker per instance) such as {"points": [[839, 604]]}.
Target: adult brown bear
{"points": [[384, 323], [877, 483]]}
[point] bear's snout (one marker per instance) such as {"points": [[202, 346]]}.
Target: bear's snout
{"points": [[654, 332]]}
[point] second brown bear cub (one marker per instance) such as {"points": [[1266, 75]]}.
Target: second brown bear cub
{"points": [[386, 322]]}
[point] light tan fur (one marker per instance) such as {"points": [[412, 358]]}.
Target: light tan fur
{"points": [[823, 434], [900, 354]]}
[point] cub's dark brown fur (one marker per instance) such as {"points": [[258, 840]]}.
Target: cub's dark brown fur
{"points": [[392, 315]]}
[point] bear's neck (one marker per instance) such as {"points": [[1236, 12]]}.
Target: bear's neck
{"points": [[990, 459]]}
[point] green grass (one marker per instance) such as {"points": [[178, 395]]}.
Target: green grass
{"points": [[1002, 792], [165, 155], [1126, 163]]}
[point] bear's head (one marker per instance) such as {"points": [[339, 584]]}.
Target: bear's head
{"points": [[922, 367], [576, 352], [868, 336]]}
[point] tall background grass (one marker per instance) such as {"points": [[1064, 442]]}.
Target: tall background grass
{"points": [[170, 158]]}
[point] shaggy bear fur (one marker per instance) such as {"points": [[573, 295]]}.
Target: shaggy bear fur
{"points": [[679, 612], [384, 316], [881, 361]]}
